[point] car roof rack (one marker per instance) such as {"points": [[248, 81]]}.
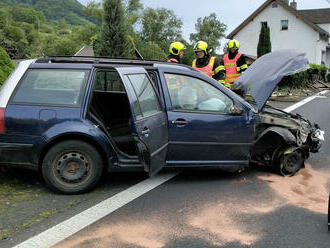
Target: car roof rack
{"points": [[95, 60], [104, 60]]}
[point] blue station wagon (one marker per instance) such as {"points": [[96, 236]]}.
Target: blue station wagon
{"points": [[74, 118]]}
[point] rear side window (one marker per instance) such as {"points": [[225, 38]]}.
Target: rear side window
{"points": [[52, 87]]}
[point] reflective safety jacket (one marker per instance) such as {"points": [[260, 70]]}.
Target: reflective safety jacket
{"points": [[232, 71], [208, 69]]}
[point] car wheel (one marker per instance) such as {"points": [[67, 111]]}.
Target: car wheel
{"points": [[289, 163], [72, 167]]}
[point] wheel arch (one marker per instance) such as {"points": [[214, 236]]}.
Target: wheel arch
{"points": [[284, 134], [268, 141], [76, 136]]}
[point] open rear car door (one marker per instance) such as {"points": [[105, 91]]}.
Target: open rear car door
{"points": [[149, 120]]}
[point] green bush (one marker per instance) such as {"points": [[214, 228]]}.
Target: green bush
{"points": [[305, 78], [318, 70], [6, 65]]}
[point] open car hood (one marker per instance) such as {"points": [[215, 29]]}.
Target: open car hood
{"points": [[262, 77]]}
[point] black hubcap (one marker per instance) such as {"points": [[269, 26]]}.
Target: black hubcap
{"points": [[72, 167]]}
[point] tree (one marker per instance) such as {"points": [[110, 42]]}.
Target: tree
{"points": [[113, 40], [6, 65], [94, 10], [264, 44], [133, 9], [160, 26], [210, 30]]}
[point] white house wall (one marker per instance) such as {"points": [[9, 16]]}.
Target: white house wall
{"points": [[299, 35]]}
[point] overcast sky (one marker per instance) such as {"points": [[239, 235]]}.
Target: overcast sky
{"points": [[230, 12]]}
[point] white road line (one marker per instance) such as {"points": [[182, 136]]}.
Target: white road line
{"points": [[299, 104], [76, 223]]}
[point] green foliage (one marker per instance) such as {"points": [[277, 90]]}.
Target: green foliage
{"points": [[28, 15], [6, 65], [160, 26], [151, 50], [113, 41], [14, 33], [305, 78], [319, 70], [70, 10], [210, 30], [264, 44], [94, 10], [4, 17]]}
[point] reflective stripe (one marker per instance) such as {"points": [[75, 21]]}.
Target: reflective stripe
{"points": [[218, 69], [230, 80], [233, 75], [230, 65], [194, 63], [228, 85], [245, 66]]}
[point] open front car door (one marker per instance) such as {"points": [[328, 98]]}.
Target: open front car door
{"points": [[149, 120]]}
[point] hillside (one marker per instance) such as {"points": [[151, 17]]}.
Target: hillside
{"points": [[70, 10]]}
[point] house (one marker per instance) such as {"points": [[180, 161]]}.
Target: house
{"points": [[85, 51], [304, 30]]}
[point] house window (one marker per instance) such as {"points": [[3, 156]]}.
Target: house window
{"points": [[274, 5], [284, 24]]}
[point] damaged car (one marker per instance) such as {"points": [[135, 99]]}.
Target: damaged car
{"points": [[283, 140], [75, 118]]}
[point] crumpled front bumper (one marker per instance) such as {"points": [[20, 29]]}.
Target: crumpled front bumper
{"points": [[316, 139]]}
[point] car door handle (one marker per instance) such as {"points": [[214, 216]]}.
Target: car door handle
{"points": [[180, 122]]}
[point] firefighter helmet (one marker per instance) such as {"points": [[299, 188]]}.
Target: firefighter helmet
{"points": [[176, 48], [201, 46], [233, 44]]}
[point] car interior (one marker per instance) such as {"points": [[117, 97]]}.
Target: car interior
{"points": [[109, 108]]}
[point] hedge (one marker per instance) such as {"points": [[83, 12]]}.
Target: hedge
{"points": [[6, 65], [305, 78]]}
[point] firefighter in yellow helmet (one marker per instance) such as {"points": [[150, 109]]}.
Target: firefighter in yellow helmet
{"points": [[233, 63], [205, 62], [176, 52]]}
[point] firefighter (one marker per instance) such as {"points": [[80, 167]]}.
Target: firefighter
{"points": [[176, 52], [233, 63], [205, 62]]}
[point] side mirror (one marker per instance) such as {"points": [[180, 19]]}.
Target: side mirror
{"points": [[235, 110]]}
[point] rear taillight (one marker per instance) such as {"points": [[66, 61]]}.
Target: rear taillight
{"points": [[2, 120]]}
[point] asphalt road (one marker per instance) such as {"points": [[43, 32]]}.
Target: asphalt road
{"points": [[255, 208]]}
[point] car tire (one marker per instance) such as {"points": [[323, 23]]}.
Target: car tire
{"points": [[289, 164], [72, 167]]}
